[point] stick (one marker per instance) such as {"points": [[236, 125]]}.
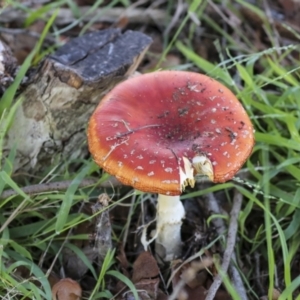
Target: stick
{"points": [[111, 15], [60, 186], [229, 251]]}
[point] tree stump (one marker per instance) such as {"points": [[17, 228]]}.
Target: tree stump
{"points": [[63, 92]]}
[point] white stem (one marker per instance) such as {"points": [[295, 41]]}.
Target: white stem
{"points": [[170, 213]]}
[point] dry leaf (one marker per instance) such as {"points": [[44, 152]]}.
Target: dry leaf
{"points": [[144, 267], [145, 278], [275, 295], [66, 289]]}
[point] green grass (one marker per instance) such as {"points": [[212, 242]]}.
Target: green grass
{"points": [[266, 82]]}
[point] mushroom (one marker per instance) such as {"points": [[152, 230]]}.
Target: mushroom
{"points": [[155, 132]]}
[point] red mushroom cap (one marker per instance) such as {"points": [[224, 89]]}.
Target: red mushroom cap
{"points": [[150, 129]]}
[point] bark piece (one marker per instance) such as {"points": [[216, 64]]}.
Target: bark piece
{"points": [[64, 91], [8, 66]]}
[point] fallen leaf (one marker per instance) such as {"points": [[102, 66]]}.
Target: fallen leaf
{"points": [[144, 267], [145, 278], [66, 289]]}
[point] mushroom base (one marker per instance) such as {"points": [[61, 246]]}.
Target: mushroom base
{"points": [[170, 212]]}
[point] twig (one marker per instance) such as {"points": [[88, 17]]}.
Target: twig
{"points": [[12, 215], [274, 37], [229, 251], [17, 31], [258, 276], [111, 182], [60, 186], [65, 15], [180, 9], [221, 14], [236, 279], [34, 2]]}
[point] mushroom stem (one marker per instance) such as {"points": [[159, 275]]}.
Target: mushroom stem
{"points": [[170, 212]]}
